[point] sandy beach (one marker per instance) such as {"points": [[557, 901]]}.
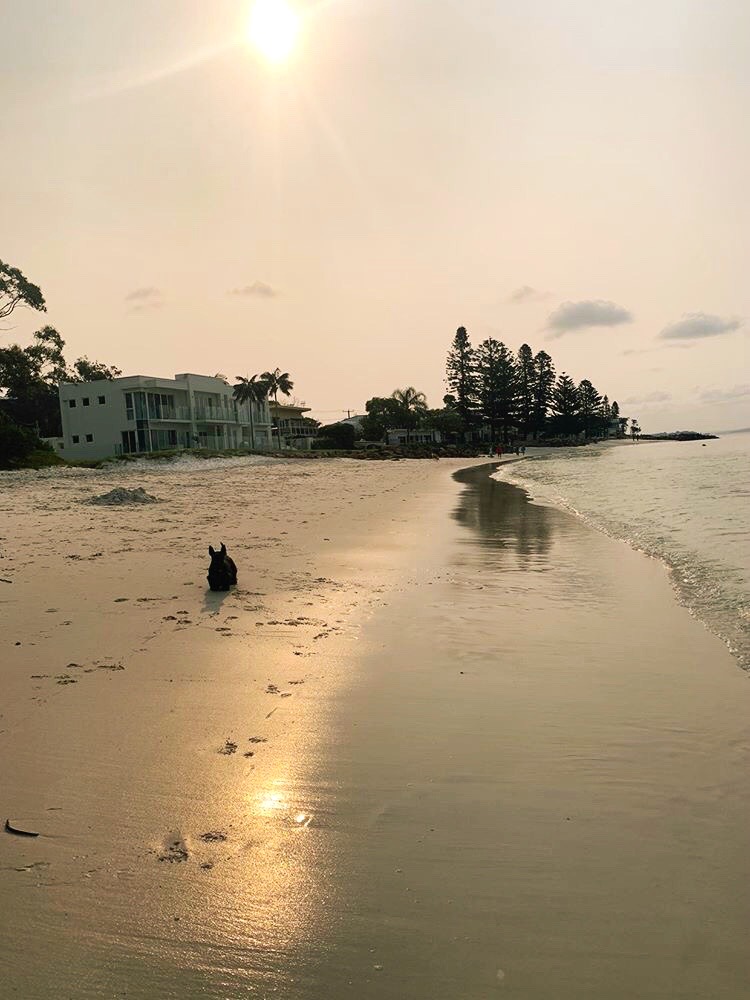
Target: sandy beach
{"points": [[440, 742]]}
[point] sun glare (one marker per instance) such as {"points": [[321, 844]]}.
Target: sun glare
{"points": [[272, 29]]}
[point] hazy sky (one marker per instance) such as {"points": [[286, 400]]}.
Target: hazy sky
{"points": [[570, 173]]}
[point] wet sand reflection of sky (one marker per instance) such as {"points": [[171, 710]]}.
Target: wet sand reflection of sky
{"points": [[506, 523]]}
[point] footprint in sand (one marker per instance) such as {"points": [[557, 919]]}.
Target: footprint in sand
{"points": [[213, 837], [229, 747], [174, 850]]}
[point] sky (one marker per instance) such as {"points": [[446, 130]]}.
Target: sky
{"points": [[572, 174]]}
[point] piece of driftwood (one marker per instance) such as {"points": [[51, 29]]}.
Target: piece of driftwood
{"points": [[18, 833]]}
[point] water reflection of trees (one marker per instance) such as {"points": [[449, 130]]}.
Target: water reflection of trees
{"points": [[502, 517]]}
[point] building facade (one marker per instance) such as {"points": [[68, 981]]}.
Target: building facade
{"points": [[291, 429], [142, 414]]}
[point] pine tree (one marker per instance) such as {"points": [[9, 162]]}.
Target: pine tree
{"points": [[614, 412], [589, 402], [544, 384], [497, 382], [565, 407], [526, 374], [461, 377]]}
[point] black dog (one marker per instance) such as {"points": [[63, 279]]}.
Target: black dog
{"points": [[222, 573]]}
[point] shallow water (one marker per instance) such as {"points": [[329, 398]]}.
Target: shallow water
{"points": [[555, 758], [685, 503]]}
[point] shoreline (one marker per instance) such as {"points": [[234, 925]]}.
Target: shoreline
{"points": [[709, 581], [430, 673]]}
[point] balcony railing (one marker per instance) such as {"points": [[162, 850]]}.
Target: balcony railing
{"points": [[171, 413], [222, 414]]}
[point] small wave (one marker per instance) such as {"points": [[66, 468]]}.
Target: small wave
{"points": [[704, 578]]}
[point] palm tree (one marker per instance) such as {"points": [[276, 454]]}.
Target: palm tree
{"points": [[413, 405], [250, 390], [278, 382]]}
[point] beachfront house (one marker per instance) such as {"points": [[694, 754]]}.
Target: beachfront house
{"points": [[140, 413], [420, 435], [291, 428]]}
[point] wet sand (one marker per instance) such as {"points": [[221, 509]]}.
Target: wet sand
{"points": [[441, 742]]}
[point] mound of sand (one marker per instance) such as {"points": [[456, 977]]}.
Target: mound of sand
{"points": [[120, 496]]}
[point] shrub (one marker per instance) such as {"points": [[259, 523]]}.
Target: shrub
{"points": [[340, 436], [17, 444]]}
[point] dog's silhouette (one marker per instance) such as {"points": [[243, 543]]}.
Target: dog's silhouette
{"points": [[222, 573]]}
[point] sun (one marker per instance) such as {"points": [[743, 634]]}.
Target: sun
{"points": [[272, 29]]}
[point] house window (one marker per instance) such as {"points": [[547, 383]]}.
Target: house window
{"points": [[72, 404], [85, 400], [102, 400], [89, 437], [128, 441], [75, 439]]}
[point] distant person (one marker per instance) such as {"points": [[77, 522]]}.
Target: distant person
{"points": [[499, 450], [523, 449]]}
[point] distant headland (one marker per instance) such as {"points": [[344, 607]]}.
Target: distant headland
{"points": [[679, 436]]}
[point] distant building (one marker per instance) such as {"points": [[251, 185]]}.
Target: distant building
{"points": [[138, 413], [291, 428], [354, 421], [422, 435]]}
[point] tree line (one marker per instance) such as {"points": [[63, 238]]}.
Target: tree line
{"points": [[494, 393], [501, 395]]}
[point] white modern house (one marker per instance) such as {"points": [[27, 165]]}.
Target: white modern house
{"points": [[142, 414]]}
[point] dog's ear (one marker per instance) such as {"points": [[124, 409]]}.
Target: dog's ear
{"points": [[223, 549], [211, 550]]}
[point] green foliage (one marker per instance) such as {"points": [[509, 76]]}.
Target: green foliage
{"points": [[461, 376], [93, 371], [544, 384], [411, 407], [16, 290], [520, 394], [277, 382], [565, 407], [18, 444], [383, 414], [589, 407], [340, 436], [526, 378], [30, 377], [497, 382], [250, 390], [448, 421]]}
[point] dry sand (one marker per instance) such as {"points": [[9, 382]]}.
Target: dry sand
{"points": [[412, 755]]}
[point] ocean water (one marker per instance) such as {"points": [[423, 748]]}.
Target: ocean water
{"points": [[681, 502]]}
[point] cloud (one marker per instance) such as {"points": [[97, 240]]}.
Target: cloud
{"points": [[258, 288], [649, 397], [528, 294], [144, 299], [581, 315], [139, 294], [725, 395], [694, 326]]}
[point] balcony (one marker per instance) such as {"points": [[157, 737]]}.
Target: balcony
{"points": [[217, 414], [170, 413]]}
